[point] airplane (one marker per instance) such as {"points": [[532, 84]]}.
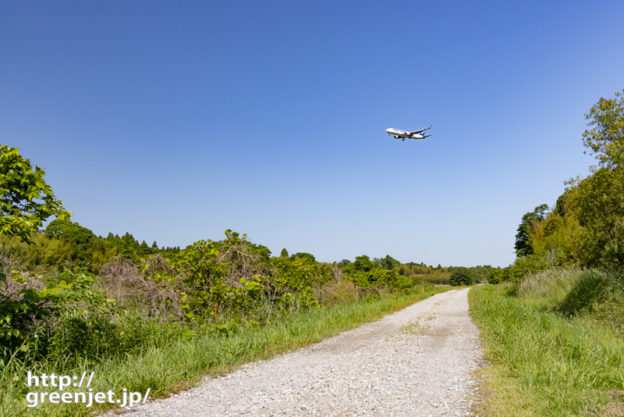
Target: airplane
{"points": [[402, 134]]}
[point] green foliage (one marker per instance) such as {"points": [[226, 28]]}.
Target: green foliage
{"points": [[170, 357], [586, 228], [462, 276], [558, 239], [39, 256], [606, 138], [70, 299], [22, 311], [366, 274], [419, 272], [230, 274], [304, 255], [524, 245], [523, 266], [598, 204], [541, 362], [80, 239], [32, 313], [388, 262], [298, 280], [495, 276], [26, 200]]}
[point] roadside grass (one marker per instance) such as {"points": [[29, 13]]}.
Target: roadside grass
{"points": [[593, 296], [544, 359], [167, 366]]}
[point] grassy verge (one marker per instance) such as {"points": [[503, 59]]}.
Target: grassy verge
{"points": [[177, 364], [544, 360]]}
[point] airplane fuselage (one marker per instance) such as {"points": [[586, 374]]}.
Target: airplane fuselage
{"points": [[402, 134]]}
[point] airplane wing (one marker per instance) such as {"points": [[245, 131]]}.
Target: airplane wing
{"points": [[418, 132]]}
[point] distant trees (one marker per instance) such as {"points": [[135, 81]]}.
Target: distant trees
{"points": [[304, 255], [80, 239], [388, 262], [26, 200], [461, 276], [366, 273]]}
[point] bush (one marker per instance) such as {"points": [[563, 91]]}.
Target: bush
{"points": [[461, 276], [22, 312]]}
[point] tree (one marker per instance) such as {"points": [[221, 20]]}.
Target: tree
{"points": [[606, 138], [598, 200], [343, 263], [305, 255], [26, 200], [598, 204], [284, 253], [388, 262], [461, 276], [80, 239], [523, 236], [363, 263]]}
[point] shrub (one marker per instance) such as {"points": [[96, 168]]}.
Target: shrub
{"points": [[461, 276], [120, 280]]}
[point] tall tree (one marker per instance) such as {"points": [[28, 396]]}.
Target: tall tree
{"points": [[26, 200], [523, 235], [605, 139]]}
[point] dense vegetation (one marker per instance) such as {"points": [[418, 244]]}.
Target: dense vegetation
{"points": [[553, 345], [555, 333], [585, 227], [67, 293], [71, 300]]}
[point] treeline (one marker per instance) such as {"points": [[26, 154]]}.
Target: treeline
{"points": [[454, 275], [67, 244], [69, 295], [563, 309], [585, 227]]}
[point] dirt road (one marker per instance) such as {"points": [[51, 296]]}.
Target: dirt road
{"points": [[415, 362]]}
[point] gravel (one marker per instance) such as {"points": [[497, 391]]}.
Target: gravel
{"points": [[415, 362]]}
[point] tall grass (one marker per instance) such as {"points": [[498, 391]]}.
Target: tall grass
{"points": [[545, 362], [547, 289], [593, 296], [167, 365]]}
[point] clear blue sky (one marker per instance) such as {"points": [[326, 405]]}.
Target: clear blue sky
{"points": [[177, 120]]}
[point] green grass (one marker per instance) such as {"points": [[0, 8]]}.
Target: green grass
{"points": [[170, 366], [543, 362], [592, 296]]}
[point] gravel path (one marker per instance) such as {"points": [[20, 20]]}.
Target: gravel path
{"points": [[415, 362]]}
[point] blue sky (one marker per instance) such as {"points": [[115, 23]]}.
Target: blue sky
{"points": [[177, 120]]}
